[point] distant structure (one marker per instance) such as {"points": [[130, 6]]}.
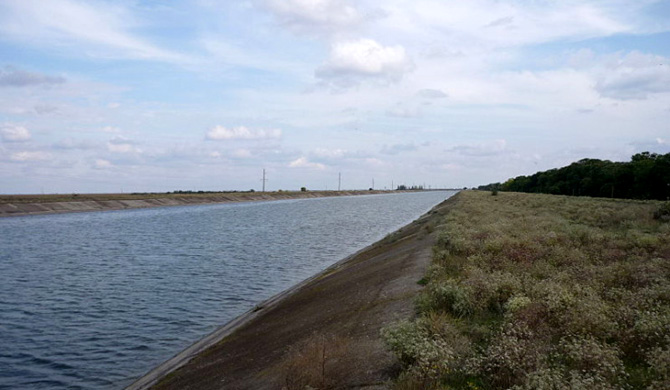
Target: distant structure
{"points": [[403, 187], [264, 179]]}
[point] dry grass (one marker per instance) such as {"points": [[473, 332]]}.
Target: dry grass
{"points": [[320, 362], [542, 292]]}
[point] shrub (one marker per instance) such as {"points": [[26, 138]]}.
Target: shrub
{"points": [[513, 353], [557, 379], [658, 360], [321, 361], [451, 297], [416, 349], [586, 354], [516, 303], [651, 327], [663, 212]]}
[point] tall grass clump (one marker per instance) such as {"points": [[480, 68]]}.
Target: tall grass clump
{"points": [[532, 291], [318, 362]]}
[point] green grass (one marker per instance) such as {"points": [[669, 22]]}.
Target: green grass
{"points": [[542, 292]]}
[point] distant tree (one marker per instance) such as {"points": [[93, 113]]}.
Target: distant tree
{"points": [[646, 176], [303, 189]]}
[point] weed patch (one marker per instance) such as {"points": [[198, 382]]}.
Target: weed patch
{"points": [[320, 362], [532, 291]]}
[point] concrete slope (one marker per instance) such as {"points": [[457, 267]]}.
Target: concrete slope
{"points": [[324, 332], [17, 208]]}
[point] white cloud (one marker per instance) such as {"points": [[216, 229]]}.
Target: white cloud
{"points": [[122, 145], [403, 111], [120, 148], [398, 148], [315, 15], [29, 156], [44, 109], [486, 24], [74, 144], [375, 162], [351, 62], [101, 28], [242, 153], [241, 132], [102, 164], [330, 153], [14, 77], [110, 129], [491, 148], [302, 162], [14, 133], [634, 76], [504, 21], [431, 94], [488, 56]]}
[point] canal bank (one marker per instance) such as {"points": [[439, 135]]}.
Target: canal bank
{"points": [[325, 328], [19, 205]]}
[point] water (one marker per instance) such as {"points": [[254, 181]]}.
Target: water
{"points": [[94, 300]]}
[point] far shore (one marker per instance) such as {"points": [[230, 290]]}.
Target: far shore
{"points": [[20, 205]]}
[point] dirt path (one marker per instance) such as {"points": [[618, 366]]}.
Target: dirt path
{"points": [[324, 332]]}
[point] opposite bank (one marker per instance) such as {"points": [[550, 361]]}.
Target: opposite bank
{"points": [[19, 205]]}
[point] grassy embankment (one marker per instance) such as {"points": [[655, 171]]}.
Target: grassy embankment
{"points": [[542, 292]]}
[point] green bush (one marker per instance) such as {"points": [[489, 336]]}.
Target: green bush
{"points": [[663, 212], [658, 360], [452, 298]]}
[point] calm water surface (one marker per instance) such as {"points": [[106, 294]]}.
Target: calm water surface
{"points": [[94, 300]]}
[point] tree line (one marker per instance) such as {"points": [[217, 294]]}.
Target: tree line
{"points": [[646, 176]]}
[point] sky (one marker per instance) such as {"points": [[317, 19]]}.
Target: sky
{"points": [[153, 96]]}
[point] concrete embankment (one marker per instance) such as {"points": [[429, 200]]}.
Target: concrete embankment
{"points": [[323, 333], [17, 205]]}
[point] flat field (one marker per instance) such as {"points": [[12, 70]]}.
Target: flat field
{"points": [[532, 291]]}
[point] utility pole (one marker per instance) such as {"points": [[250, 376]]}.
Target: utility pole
{"points": [[264, 179], [339, 181], [392, 186], [373, 183]]}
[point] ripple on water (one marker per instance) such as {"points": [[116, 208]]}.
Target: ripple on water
{"points": [[91, 300]]}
